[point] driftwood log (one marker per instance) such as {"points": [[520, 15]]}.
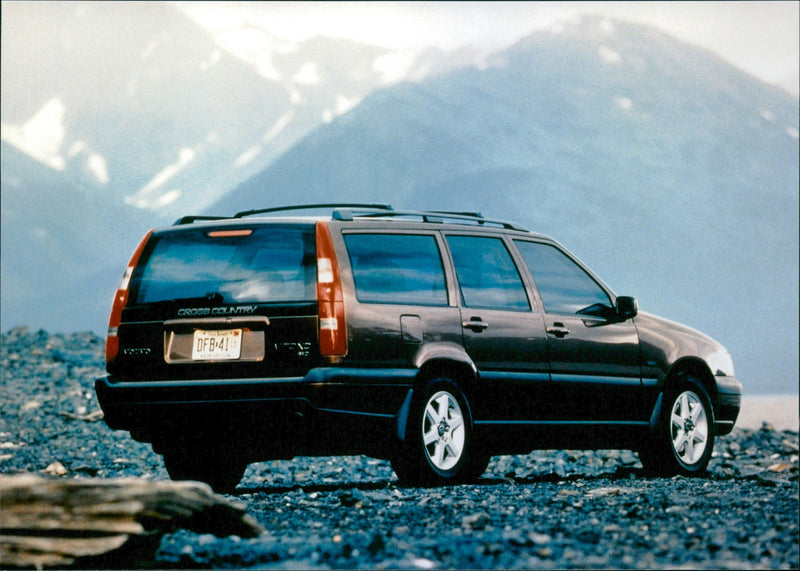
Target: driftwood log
{"points": [[49, 522]]}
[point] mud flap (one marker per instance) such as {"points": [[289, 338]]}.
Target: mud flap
{"points": [[656, 415], [402, 416]]}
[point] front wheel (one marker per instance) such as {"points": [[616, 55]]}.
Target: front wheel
{"points": [[684, 439], [440, 448]]}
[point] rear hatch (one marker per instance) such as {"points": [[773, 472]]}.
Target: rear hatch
{"points": [[221, 301]]}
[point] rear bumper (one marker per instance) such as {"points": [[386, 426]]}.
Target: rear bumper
{"points": [[118, 398], [728, 403], [327, 411], [136, 406]]}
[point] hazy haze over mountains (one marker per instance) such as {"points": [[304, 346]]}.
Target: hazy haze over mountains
{"points": [[139, 102], [671, 173]]}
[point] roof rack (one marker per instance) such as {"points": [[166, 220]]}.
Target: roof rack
{"points": [[434, 216], [244, 213], [347, 211], [380, 207], [460, 213]]}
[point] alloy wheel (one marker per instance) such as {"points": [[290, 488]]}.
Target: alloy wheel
{"points": [[443, 430], [689, 428]]}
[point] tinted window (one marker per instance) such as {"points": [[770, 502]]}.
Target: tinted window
{"points": [[267, 265], [397, 268], [563, 285], [486, 273]]}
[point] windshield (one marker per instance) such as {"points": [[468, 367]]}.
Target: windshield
{"points": [[261, 265]]}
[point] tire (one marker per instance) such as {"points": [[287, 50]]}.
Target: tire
{"points": [[684, 438], [220, 472], [440, 447]]}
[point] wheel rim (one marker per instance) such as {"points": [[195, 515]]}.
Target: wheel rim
{"points": [[443, 431], [689, 428]]}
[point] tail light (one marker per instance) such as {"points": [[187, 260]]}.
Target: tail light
{"points": [[120, 301], [332, 326]]}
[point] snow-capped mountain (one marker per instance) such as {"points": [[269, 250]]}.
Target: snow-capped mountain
{"points": [[672, 173], [117, 117], [140, 103]]}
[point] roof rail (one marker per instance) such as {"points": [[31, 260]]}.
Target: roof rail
{"points": [[473, 214], [313, 206], [348, 211], [434, 216]]}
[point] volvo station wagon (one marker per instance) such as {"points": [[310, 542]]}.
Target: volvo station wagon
{"points": [[432, 339]]}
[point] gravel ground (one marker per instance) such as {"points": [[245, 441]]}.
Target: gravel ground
{"points": [[549, 509]]}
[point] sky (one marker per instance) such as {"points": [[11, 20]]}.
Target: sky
{"points": [[761, 38]]}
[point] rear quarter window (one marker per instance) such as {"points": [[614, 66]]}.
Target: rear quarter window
{"points": [[397, 269]]}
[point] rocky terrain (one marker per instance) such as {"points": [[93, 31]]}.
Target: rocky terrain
{"points": [[549, 509]]}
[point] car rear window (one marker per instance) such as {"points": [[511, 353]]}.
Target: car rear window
{"points": [[259, 265], [397, 268]]}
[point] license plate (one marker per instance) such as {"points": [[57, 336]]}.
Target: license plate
{"points": [[217, 345]]}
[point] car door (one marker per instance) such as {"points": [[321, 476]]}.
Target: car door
{"points": [[503, 335], [594, 357]]}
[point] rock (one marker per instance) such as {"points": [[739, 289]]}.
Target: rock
{"points": [[377, 545], [400, 530], [781, 467], [30, 405], [546, 509], [477, 521], [50, 523], [717, 540], [93, 416], [353, 498], [604, 492], [588, 535], [539, 539], [55, 469]]}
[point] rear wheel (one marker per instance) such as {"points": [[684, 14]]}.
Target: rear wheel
{"points": [[223, 473], [440, 447], [684, 439]]}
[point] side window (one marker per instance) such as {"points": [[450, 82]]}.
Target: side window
{"points": [[397, 268], [486, 274], [563, 285]]}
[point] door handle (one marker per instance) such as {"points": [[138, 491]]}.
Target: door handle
{"points": [[476, 324], [558, 330]]}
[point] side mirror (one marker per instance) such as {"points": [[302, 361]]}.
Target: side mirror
{"points": [[627, 307]]}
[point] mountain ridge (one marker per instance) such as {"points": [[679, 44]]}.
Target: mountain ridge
{"points": [[122, 117], [199, 118], [603, 140], [671, 173]]}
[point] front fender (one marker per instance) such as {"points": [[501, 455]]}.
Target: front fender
{"points": [[664, 343]]}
